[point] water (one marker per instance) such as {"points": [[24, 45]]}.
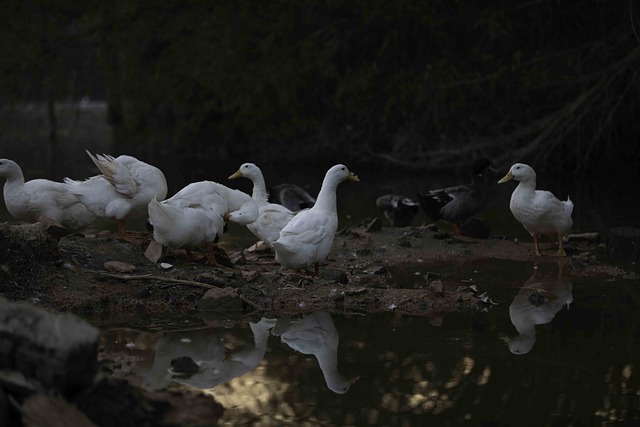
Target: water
{"points": [[554, 350]]}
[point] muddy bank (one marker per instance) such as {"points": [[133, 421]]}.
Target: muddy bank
{"points": [[103, 277]]}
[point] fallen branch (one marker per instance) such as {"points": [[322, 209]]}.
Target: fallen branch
{"points": [[127, 277]]}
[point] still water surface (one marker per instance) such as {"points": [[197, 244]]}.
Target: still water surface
{"points": [[554, 350]]}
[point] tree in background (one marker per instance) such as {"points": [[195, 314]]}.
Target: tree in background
{"points": [[401, 84]]}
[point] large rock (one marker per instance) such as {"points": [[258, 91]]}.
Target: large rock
{"points": [[60, 351]]}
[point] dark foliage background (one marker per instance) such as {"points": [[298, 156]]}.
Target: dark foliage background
{"points": [[377, 83]]}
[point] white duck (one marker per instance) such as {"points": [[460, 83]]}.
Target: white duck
{"points": [[315, 334], [41, 199], [124, 189], [195, 216], [272, 217], [306, 240], [540, 212]]}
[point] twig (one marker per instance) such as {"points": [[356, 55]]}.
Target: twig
{"points": [[127, 277]]}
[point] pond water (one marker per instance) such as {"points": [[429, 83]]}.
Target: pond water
{"points": [[553, 350]]}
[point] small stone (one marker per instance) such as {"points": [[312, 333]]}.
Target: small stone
{"points": [[221, 300], [436, 286], [250, 276], [119, 267]]}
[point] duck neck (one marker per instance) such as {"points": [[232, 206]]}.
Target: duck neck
{"points": [[14, 180], [327, 196], [259, 193], [526, 187]]}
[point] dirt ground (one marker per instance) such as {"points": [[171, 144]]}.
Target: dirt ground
{"points": [[108, 279]]}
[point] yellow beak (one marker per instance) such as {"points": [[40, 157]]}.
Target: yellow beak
{"points": [[236, 174], [507, 177], [353, 177]]}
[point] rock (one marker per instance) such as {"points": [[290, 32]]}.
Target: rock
{"points": [[250, 276], [119, 267], [436, 286], [26, 245], [59, 351], [53, 411], [114, 402], [334, 275], [14, 382], [220, 299]]}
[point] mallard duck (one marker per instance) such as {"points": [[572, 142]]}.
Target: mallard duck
{"points": [[540, 212], [42, 199], [291, 196], [457, 203], [123, 190], [398, 209], [306, 240], [195, 216], [272, 217], [315, 334]]}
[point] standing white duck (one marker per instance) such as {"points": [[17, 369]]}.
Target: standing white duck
{"points": [[41, 199], [306, 240], [124, 189], [271, 217], [540, 212], [195, 216]]}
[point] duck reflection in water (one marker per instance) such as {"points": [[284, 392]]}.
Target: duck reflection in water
{"points": [[200, 359], [316, 334], [537, 303]]}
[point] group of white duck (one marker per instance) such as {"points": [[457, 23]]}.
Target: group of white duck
{"points": [[194, 217]]}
